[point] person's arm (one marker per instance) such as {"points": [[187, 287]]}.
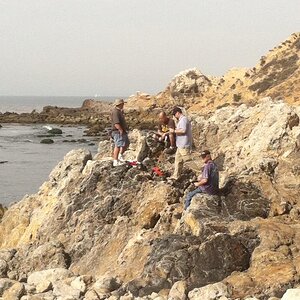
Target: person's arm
{"points": [[203, 179], [183, 128]]}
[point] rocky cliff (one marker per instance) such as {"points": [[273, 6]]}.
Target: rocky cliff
{"points": [[276, 75], [97, 232]]}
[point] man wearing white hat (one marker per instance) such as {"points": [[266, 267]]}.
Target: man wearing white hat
{"points": [[119, 132]]}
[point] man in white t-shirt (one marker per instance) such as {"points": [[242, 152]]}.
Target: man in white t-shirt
{"points": [[183, 133]]}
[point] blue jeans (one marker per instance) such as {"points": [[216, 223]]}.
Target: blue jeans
{"points": [[190, 195], [120, 140]]}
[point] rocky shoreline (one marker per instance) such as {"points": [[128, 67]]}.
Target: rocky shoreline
{"points": [[96, 232]]}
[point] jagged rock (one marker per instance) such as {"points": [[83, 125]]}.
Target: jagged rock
{"points": [[198, 262], [291, 294], [79, 283], [42, 296], [2, 211], [209, 292], [106, 285], [127, 296], [64, 291], [138, 148], [91, 295], [15, 292], [43, 286], [3, 268], [178, 291], [34, 258], [5, 284], [51, 275], [203, 210]]}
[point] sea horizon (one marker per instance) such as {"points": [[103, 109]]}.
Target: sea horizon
{"points": [[26, 104]]}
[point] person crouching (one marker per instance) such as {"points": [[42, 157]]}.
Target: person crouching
{"points": [[208, 182]]}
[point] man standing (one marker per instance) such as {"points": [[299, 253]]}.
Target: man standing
{"points": [[183, 133], [208, 182], [163, 133], [119, 132]]}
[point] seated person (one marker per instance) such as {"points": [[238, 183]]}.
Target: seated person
{"points": [[208, 182], [163, 135]]}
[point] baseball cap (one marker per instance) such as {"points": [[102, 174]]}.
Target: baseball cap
{"points": [[204, 153], [175, 110]]}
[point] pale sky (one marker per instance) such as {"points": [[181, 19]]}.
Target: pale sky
{"points": [[117, 47]]}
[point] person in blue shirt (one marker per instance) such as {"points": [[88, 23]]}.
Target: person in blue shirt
{"points": [[208, 182]]}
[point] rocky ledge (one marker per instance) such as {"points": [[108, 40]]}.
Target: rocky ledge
{"points": [[97, 232]]}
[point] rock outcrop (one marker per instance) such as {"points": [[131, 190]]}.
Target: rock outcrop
{"points": [[276, 75], [98, 232]]}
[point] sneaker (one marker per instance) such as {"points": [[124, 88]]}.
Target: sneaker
{"points": [[171, 180], [117, 163], [121, 157], [170, 150]]}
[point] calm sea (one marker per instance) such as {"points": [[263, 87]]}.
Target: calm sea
{"points": [[22, 104], [25, 163]]}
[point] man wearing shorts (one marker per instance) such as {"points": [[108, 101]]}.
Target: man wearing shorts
{"points": [[119, 132]]}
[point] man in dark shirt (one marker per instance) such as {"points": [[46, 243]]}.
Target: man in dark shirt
{"points": [[208, 182], [119, 132], [163, 133]]}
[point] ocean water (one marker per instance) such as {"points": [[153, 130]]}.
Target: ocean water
{"points": [[28, 163], [22, 104]]}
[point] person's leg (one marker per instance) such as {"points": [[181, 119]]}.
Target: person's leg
{"points": [[178, 164], [125, 143], [190, 195], [116, 152]]}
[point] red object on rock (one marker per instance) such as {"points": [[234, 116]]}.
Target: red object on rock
{"points": [[157, 171]]}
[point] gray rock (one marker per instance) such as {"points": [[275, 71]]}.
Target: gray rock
{"points": [[47, 141], [5, 284], [16, 291], [51, 275], [209, 292], [42, 296], [3, 268], [178, 291], [106, 284], [65, 292], [43, 286], [79, 284], [55, 131], [291, 294], [91, 295]]}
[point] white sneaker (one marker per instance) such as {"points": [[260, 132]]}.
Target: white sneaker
{"points": [[117, 163], [121, 157]]}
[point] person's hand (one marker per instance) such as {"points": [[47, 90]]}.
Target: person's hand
{"points": [[196, 184]]}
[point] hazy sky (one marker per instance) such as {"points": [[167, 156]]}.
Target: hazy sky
{"points": [[116, 47]]}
